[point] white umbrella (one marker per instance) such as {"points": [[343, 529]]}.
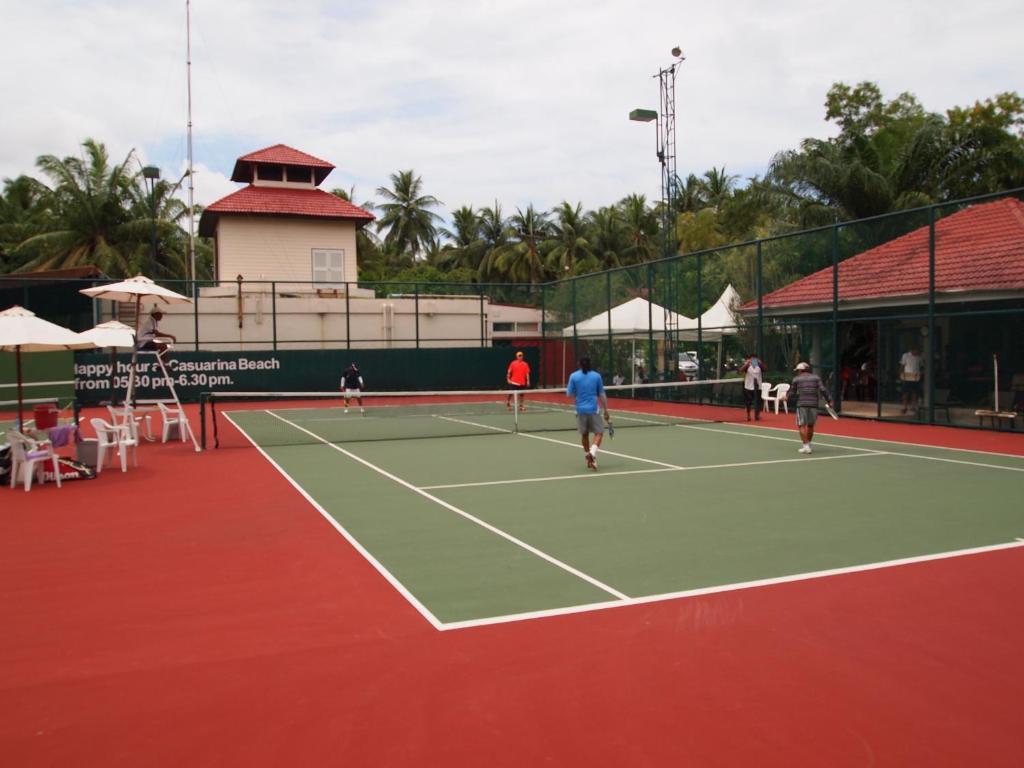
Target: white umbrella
{"points": [[112, 334], [21, 331], [135, 289]]}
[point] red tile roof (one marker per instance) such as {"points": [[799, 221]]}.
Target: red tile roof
{"points": [[281, 201], [285, 155], [978, 249], [280, 154]]}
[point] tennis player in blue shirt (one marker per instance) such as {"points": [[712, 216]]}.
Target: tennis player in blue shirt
{"points": [[588, 389]]}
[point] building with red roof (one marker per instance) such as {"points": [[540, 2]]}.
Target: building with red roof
{"points": [[883, 309], [979, 256], [281, 226]]}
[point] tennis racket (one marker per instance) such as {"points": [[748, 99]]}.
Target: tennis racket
{"points": [[831, 412], [611, 428]]}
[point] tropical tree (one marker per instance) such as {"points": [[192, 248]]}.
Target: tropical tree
{"points": [[608, 239], [23, 211], [407, 216], [568, 243], [465, 248], [90, 220], [717, 187], [640, 230], [521, 260], [894, 155]]}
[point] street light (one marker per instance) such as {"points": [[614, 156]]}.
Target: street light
{"points": [[665, 148], [152, 174]]}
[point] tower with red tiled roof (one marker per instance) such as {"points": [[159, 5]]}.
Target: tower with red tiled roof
{"points": [[281, 226]]}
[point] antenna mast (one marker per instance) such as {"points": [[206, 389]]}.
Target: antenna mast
{"points": [[191, 175]]}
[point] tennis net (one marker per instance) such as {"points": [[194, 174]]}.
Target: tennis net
{"points": [[298, 418]]}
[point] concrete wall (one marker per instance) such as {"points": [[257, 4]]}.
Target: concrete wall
{"points": [[278, 248], [317, 322]]}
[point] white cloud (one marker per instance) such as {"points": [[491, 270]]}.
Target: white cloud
{"points": [[516, 100]]}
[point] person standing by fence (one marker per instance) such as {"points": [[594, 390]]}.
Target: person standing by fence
{"points": [[753, 377]]}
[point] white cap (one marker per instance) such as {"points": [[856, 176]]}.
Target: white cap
{"points": [[802, 367]]}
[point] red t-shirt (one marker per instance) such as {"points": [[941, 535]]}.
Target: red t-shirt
{"points": [[519, 372]]}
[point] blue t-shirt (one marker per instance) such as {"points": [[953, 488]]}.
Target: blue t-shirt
{"points": [[586, 387]]}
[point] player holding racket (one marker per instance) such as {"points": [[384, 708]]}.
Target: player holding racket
{"points": [[805, 389], [588, 389], [352, 386]]}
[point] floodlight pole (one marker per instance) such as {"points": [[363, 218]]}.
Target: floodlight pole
{"points": [[151, 174], [665, 148]]}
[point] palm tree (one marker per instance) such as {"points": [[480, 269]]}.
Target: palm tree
{"points": [[569, 242], [90, 203], [608, 238], [717, 186], [22, 212], [521, 261], [158, 210], [640, 230], [466, 249], [407, 217]]}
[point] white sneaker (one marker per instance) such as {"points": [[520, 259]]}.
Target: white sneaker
{"points": [[346, 410], [804, 449]]}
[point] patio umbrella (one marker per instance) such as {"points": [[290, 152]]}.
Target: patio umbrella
{"points": [[113, 334], [137, 289], [21, 331]]}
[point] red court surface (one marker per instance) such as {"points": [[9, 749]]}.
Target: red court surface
{"points": [[197, 611]]}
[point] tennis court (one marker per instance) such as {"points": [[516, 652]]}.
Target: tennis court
{"points": [[482, 520]]}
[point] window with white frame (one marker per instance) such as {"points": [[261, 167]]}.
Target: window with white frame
{"points": [[328, 265]]}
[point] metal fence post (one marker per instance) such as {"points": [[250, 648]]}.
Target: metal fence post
{"points": [[760, 302], [273, 311], [348, 317], [930, 366], [835, 316]]}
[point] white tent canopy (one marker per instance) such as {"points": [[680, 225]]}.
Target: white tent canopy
{"points": [[635, 318], [720, 320]]}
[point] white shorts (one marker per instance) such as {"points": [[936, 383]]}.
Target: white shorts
{"points": [[353, 393]]}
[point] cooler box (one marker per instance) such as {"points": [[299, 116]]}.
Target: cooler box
{"points": [[86, 451], [46, 416]]}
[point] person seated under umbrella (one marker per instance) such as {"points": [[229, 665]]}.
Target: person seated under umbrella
{"points": [[151, 338]]}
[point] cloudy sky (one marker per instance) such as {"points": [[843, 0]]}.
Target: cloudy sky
{"points": [[519, 101]]}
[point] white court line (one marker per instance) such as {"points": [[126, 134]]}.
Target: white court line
{"points": [[857, 448], [580, 476], [423, 610], [452, 508], [875, 440], [730, 587], [561, 442]]}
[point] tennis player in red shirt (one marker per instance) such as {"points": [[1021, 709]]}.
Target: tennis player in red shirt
{"points": [[518, 377]]}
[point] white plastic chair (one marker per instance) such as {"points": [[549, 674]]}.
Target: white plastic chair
{"points": [[120, 436], [767, 397], [117, 418], [29, 457], [781, 396], [174, 417]]}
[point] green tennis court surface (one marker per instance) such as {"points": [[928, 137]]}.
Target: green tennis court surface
{"points": [[491, 527]]}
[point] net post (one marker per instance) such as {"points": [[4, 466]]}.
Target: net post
{"points": [[202, 420], [515, 410], [213, 419]]}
